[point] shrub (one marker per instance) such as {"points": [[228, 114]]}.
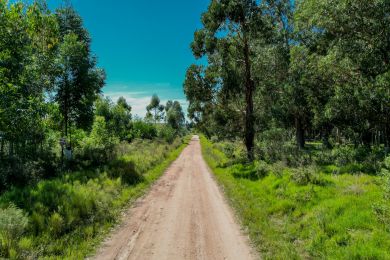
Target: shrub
{"points": [[167, 133], [343, 155], [253, 171], [270, 144], [56, 223], [126, 171], [143, 130], [262, 169], [307, 175], [385, 172], [13, 222], [99, 145]]}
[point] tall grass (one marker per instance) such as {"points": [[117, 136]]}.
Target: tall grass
{"points": [[304, 213], [68, 216]]}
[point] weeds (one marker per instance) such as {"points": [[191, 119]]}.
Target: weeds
{"points": [[65, 217], [306, 211]]}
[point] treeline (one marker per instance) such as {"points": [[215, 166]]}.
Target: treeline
{"points": [[53, 116], [312, 69]]}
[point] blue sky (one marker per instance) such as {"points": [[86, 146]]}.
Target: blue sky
{"points": [[142, 45]]}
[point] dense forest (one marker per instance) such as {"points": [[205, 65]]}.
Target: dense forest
{"points": [[70, 158], [318, 70], [293, 98]]}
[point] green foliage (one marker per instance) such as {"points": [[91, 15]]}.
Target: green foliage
{"points": [[317, 68], [386, 176], [155, 111], [126, 171], [69, 214], [174, 114], [167, 133], [143, 130], [99, 145], [13, 222], [271, 145], [78, 81], [118, 116], [295, 213]]}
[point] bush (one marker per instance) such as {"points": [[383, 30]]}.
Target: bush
{"points": [[270, 145], [167, 133], [98, 147], [307, 175], [143, 130], [56, 223], [15, 171], [126, 171], [13, 222], [385, 172], [343, 155], [262, 169], [253, 171]]}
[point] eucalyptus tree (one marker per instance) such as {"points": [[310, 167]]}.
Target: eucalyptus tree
{"points": [[350, 40], [27, 40], [174, 114], [155, 110], [79, 81], [232, 25]]}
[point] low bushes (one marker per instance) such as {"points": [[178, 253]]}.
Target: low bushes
{"points": [[13, 222], [62, 217], [303, 212]]}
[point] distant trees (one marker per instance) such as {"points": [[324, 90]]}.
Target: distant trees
{"points": [[174, 114], [117, 116], [50, 88], [155, 111], [313, 66]]}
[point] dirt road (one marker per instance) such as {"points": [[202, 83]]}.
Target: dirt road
{"points": [[184, 216]]}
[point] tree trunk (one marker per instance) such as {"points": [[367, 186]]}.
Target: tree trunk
{"points": [[325, 136], [2, 148], [249, 116], [300, 132]]}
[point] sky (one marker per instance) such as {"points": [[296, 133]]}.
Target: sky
{"points": [[144, 46]]}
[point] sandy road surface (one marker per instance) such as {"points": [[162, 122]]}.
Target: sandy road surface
{"points": [[184, 216]]}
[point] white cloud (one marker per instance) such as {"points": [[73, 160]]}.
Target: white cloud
{"points": [[139, 101]]}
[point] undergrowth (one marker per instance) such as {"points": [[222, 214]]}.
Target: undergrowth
{"points": [[305, 212], [67, 217]]}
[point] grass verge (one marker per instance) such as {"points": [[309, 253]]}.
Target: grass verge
{"points": [[305, 213], [68, 217]]}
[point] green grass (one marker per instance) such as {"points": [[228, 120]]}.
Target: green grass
{"points": [[340, 216], [69, 216]]}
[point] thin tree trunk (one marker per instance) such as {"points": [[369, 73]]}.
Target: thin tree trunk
{"points": [[300, 132], [2, 148], [325, 136], [249, 116]]}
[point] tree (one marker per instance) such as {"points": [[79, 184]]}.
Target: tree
{"points": [[232, 25], [117, 116], [155, 110], [350, 43], [79, 80], [27, 39], [174, 114]]}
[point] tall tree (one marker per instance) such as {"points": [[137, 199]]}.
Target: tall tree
{"points": [[236, 23], [79, 81], [155, 110], [174, 114]]}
